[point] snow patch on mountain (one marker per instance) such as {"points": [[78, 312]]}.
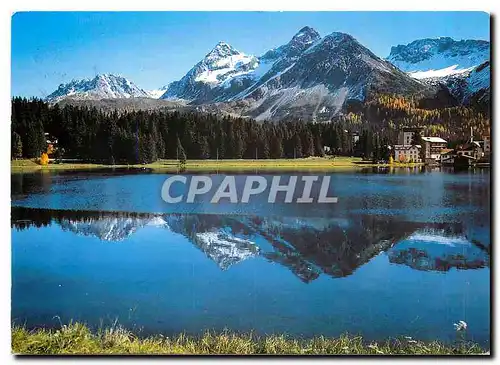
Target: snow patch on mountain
{"points": [[437, 237], [255, 74], [448, 71], [467, 86], [157, 93], [225, 249], [231, 66]]}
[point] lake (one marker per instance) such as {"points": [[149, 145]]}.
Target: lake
{"points": [[402, 253]]}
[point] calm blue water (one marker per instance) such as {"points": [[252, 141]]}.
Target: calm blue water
{"points": [[401, 254]]}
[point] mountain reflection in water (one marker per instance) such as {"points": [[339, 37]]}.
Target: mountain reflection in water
{"points": [[308, 247]]}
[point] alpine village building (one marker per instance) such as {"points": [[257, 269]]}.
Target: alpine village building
{"points": [[407, 151], [434, 150]]}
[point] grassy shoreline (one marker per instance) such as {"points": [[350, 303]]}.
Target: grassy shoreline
{"points": [[312, 163], [76, 338]]}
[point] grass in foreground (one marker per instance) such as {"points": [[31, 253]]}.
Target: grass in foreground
{"points": [[76, 338]]}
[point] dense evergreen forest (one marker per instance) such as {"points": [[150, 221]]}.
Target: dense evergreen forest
{"points": [[95, 135]]}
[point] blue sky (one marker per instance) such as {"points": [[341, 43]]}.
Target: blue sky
{"points": [[154, 48]]}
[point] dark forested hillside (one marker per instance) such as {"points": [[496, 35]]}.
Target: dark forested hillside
{"points": [[97, 135]]}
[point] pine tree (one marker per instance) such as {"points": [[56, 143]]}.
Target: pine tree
{"points": [[308, 144], [239, 146], [181, 154], [204, 151], [297, 146], [276, 145], [319, 149], [17, 146], [35, 139]]}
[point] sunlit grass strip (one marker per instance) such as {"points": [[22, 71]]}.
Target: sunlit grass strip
{"points": [[310, 163], [76, 338]]}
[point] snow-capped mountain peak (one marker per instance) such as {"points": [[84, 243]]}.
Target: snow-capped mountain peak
{"points": [[227, 74], [221, 62], [302, 40], [217, 69], [439, 57], [306, 31], [221, 50], [306, 35], [103, 86]]}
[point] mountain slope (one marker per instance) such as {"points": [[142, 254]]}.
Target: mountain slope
{"points": [[460, 67], [105, 86], [278, 60], [309, 77], [472, 87], [439, 57], [324, 77]]}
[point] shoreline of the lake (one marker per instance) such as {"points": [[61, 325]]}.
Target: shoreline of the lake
{"points": [[77, 339], [315, 163]]}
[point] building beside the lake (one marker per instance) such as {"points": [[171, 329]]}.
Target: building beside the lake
{"points": [[472, 149], [407, 153], [426, 149], [406, 135], [406, 150], [468, 153], [465, 155], [433, 147]]}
